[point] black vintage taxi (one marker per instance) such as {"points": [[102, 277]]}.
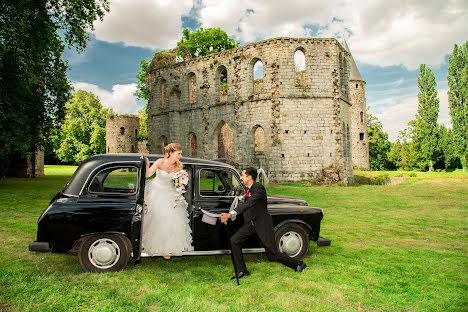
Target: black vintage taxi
{"points": [[99, 213]]}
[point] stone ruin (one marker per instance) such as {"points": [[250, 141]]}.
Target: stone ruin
{"points": [[121, 135], [296, 120]]}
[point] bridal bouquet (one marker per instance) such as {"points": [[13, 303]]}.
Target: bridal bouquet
{"points": [[180, 179]]}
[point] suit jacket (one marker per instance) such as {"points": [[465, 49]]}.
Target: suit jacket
{"points": [[254, 208]]}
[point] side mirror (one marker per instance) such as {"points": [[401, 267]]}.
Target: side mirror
{"points": [[220, 188]]}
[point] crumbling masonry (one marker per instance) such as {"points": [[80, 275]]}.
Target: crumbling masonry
{"points": [[297, 122]]}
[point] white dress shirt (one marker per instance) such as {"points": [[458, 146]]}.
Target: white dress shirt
{"points": [[233, 212]]}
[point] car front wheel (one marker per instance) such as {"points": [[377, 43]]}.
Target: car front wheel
{"points": [[292, 240], [104, 253]]}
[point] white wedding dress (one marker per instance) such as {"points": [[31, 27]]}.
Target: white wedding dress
{"points": [[166, 228]]}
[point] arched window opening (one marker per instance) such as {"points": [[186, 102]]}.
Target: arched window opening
{"points": [[192, 88], [133, 148], [162, 143], [362, 116], [122, 130], [223, 83], [258, 76], [224, 142], [193, 144], [299, 67], [259, 139], [136, 132], [164, 94]]}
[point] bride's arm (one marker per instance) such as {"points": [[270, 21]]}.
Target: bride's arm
{"points": [[151, 170]]}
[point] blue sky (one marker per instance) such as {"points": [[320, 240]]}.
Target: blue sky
{"points": [[388, 41]]}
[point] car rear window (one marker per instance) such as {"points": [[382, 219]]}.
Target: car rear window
{"points": [[115, 180]]}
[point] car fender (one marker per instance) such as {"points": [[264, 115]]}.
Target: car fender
{"points": [[294, 221], [77, 243]]}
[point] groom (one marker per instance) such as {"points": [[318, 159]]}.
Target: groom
{"points": [[257, 221]]}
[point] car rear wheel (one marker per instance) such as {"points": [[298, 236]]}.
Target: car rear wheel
{"points": [[292, 240], [104, 253]]}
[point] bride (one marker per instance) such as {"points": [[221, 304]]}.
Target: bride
{"points": [[166, 229]]}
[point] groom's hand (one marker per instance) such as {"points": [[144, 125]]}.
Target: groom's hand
{"points": [[225, 216]]}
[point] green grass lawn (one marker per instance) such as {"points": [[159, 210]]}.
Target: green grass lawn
{"points": [[394, 248]]}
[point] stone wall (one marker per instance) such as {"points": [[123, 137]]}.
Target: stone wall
{"points": [[121, 135], [305, 116], [23, 167], [360, 139]]}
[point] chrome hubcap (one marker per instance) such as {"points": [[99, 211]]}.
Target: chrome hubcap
{"points": [[290, 243], [104, 253]]}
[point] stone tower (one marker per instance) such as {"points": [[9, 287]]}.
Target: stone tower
{"points": [[121, 134], [293, 119], [359, 136]]}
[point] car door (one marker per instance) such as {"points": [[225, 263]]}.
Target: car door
{"points": [[137, 219], [215, 189]]}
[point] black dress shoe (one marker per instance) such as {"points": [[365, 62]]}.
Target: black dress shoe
{"points": [[241, 274], [301, 266]]}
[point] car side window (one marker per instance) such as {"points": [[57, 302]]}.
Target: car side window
{"points": [[115, 180], [219, 183]]}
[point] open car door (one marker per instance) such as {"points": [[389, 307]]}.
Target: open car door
{"points": [[137, 219]]}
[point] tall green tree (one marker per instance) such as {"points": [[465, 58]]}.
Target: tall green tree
{"points": [[447, 147], [458, 95], [428, 112], [33, 83], [379, 145], [199, 43], [84, 131], [406, 151]]}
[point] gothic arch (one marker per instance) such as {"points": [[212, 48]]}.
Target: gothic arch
{"points": [[258, 134], [184, 50], [162, 142], [299, 67], [193, 144], [223, 142], [222, 83], [192, 87], [257, 75]]}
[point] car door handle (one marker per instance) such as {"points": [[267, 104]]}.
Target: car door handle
{"points": [[138, 209]]}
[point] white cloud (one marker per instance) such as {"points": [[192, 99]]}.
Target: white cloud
{"points": [[405, 32], [380, 32], [152, 24], [252, 20], [398, 112], [121, 99]]}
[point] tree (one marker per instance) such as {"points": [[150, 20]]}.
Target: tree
{"points": [[379, 145], [34, 87], [428, 112], [406, 151], [447, 147], [141, 90], [458, 95], [143, 115], [206, 41], [199, 43], [84, 131]]}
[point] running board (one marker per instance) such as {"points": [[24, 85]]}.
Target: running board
{"points": [[206, 252]]}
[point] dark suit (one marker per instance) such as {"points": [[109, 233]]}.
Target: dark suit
{"points": [[257, 221]]}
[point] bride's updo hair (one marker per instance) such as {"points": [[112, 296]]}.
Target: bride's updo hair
{"points": [[171, 148]]}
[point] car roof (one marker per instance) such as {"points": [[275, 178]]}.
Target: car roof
{"points": [[81, 174]]}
